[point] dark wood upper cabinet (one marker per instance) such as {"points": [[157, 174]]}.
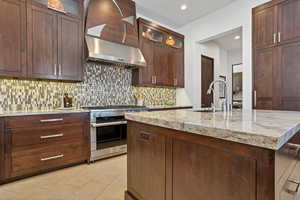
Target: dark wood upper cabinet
{"points": [[289, 21], [163, 50], [276, 67], [177, 60], [42, 42], [146, 74], [13, 38], [162, 66], [39, 42], [118, 19], [55, 42], [70, 49], [265, 27]]}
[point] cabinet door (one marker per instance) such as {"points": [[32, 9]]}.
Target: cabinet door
{"points": [[161, 66], [42, 43], [215, 174], [2, 155], [289, 21], [177, 63], [146, 74], [12, 38], [265, 27], [263, 78], [146, 164], [289, 69], [69, 52]]}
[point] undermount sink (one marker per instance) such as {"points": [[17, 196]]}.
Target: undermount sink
{"points": [[208, 110]]}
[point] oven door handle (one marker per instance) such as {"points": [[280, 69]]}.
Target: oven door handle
{"points": [[95, 125]]}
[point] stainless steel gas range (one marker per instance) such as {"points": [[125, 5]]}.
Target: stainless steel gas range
{"points": [[109, 130]]}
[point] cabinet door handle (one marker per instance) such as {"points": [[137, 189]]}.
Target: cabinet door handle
{"points": [[52, 136], [279, 37], [52, 157], [145, 136], [292, 186], [175, 82], [51, 120], [154, 79], [55, 70], [59, 70], [274, 38], [255, 99]]}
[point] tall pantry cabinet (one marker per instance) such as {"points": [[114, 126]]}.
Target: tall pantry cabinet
{"points": [[276, 55]]}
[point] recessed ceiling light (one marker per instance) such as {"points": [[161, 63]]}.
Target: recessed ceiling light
{"points": [[183, 7], [237, 37]]}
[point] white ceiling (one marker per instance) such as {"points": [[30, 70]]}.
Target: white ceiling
{"points": [[168, 11], [228, 42]]}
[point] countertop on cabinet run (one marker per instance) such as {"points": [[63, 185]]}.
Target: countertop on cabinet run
{"points": [[167, 107], [40, 112], [266, 129]]}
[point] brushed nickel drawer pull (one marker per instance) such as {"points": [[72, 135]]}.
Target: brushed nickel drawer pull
{"points": [[51, 136], [55, 70], [292, 186], [53, 157], [255, 99], [145, 136], [51, 120], [95, 125], [59, 70], [293, 148]]}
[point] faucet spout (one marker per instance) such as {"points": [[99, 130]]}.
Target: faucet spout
{"points": [[227, 106]]}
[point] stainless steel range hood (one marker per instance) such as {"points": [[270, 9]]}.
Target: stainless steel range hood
{"points": [[100, 49]]}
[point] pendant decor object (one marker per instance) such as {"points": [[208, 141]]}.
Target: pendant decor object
{"points": [[56, 5], [170, 41]]}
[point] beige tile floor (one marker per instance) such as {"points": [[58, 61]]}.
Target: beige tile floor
{"points": [[102, 180]]}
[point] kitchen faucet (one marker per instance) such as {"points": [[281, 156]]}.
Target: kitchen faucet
{"points": [[225, 106]]}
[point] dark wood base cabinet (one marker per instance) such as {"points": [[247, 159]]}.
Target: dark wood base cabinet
{"points": [[165, 164], [35, 144]]}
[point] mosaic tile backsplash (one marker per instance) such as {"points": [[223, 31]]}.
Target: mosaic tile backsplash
{"points": [[102, 85]]}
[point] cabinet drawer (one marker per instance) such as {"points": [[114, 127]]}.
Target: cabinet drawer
{"points": [[45, 135], [45, 158], [45, 120], [291, 187], [285, 160]]}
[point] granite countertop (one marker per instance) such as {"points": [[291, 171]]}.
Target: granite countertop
{"points": [[266, 129], [40, 112]]}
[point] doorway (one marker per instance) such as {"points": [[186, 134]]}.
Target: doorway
{"points": [[207, 76]]}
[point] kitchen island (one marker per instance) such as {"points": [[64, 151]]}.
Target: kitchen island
{"points": [[186, 155]]}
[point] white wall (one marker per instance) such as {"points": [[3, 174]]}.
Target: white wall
{"points": [[213, 50], [237, 14]]}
